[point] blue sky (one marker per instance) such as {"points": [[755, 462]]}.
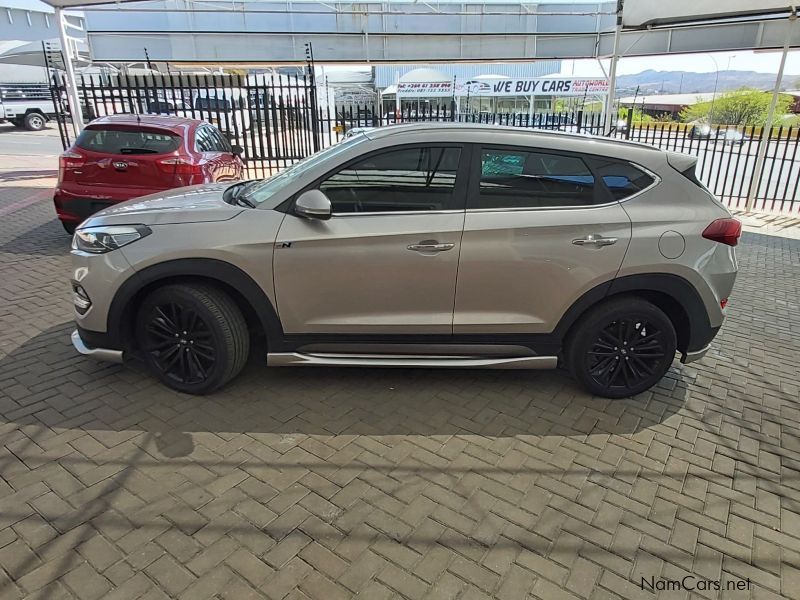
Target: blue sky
{"points": [[763, 62]]}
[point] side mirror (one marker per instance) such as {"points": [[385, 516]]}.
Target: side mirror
{"points": [[237, 150], [313, 204]]}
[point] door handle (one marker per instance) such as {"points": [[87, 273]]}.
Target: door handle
{"points": [[431, 246], [598, 241]]}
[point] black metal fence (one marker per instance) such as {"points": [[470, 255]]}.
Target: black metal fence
{"points": [[277, 121]]}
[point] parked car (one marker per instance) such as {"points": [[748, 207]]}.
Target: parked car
{"points": [[28, 113], [699, 130], [731, 136], [226, 108], [120, 157], [422, 245]]}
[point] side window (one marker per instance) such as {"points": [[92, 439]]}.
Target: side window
{"points": [[532, 179], [204, 142], [399, 180], [221, 143], [621, 178]]}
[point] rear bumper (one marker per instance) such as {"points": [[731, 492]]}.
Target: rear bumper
{"points": [[102, 354], [689, 357], [73, 206]]}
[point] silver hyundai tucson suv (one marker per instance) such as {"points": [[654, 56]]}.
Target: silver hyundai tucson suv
{"points": [[426, 245]]}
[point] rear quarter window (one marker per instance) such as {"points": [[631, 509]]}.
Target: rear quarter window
{"points": [[126, 141], [621, 178]]}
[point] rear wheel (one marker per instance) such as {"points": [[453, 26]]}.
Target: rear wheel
{"points": [[35, 121], [69, 227], [621, 348], [192, 337]]}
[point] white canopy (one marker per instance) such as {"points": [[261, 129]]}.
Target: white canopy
{"points": [[641, 13], [18, 52]]}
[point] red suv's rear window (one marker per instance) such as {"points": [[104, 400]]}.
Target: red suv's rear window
{"points": [[110, 140]]}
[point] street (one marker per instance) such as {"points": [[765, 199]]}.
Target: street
{"points": [[16, 141]]}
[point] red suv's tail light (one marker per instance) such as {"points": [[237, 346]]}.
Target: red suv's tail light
{"points": [[724, 231], [71, 160], [178, 166]]}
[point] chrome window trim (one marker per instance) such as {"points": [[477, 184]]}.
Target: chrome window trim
{"points": [[656, 181], [399, 212]]}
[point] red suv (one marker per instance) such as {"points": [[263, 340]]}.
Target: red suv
{"points": [[120, 157]]}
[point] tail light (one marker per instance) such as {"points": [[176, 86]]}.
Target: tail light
{"points": [[179, 166], [69, 160], [724, 231]]}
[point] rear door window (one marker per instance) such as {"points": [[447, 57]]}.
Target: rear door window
{"points": [[109, 140], [522, 178], [209, 139], [621, 178]]}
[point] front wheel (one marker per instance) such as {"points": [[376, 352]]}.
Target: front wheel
{"points": [[192, 337], [621, 348]]}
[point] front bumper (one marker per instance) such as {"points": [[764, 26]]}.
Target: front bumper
{"points": [[102, 354]]}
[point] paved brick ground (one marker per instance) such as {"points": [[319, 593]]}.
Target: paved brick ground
{"points": [[334, 483]]}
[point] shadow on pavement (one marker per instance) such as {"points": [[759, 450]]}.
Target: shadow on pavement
{"points": [[26, 175], [48, 239], [322, 401]]}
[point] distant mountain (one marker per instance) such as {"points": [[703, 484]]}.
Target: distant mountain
{"points": [[675, 82]]}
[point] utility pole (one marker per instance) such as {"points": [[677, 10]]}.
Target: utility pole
{"points": [[612, 74], [72, 87], [755, 182]]}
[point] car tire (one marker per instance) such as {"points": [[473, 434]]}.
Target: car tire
{"points": [[193, 337], [69, 227], [621, 347], [35, 121]]}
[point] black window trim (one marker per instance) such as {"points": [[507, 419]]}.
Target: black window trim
{"points": [[459, 190], [473, 188]]}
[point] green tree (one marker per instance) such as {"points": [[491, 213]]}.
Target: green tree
{"points": [[746, 106], [638, 115]]}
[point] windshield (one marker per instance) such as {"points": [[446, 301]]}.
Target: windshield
{"points": [[264, 190]]}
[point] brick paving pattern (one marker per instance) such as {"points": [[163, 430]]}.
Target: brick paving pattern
{"points": [[327, 483]]}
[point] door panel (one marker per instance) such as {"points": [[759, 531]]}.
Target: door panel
{"points": [[520, 271], [356, 274], [540, 230]]}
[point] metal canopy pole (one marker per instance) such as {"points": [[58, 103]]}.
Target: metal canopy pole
{"points": [[72, 88], [763, 142], [612, 76]]}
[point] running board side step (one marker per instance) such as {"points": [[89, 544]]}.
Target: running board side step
{"points": [[296, 359]]}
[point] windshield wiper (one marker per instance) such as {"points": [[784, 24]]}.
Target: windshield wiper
{"points": [[243, 200]]}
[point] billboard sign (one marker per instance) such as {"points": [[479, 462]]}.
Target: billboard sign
{"points": [[525, 86]]}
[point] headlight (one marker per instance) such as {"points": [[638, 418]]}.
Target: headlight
{"points": [[99, 240]]}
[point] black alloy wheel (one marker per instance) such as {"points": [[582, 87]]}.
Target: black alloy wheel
{"points": [[193, 337], [180, 343], [621, 348], [625, 353]]}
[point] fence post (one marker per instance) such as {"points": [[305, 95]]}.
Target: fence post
{"points": [[628, 123], [579, 120]]}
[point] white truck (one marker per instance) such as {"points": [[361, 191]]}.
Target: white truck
{"points": [[28, 108]]}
